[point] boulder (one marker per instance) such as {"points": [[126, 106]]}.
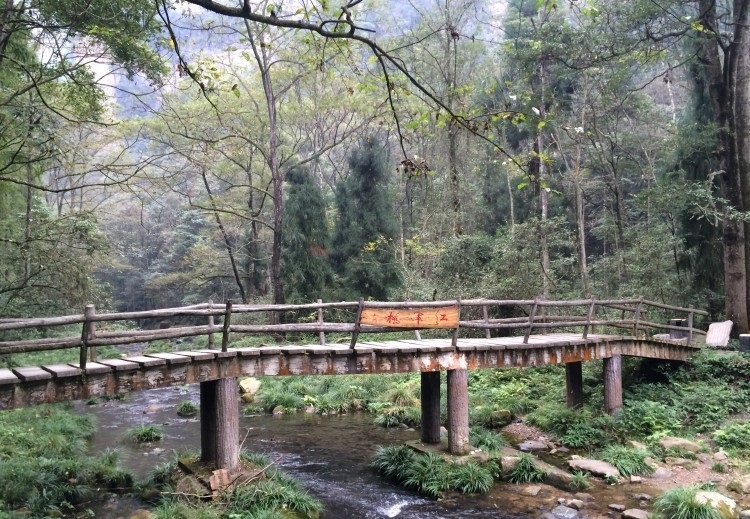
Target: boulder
{"points": [[662, 473], [634, 513], [596, 467], [565, 512], [637, 445], [676, 462], [532, 445], [740, 485], [531, 490], [249, 385], [725, 506], [576, 504], [616, 507], [672, 442]]}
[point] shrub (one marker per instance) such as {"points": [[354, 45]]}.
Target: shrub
{"points": [[145, 433], [679, 503], [627, 460], [647, 418], [526, 471], [734, 436]]}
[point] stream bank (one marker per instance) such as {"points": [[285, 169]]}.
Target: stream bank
{"points": [[330, 456]]}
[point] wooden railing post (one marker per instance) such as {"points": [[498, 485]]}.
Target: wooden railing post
{"points": [[225, 328], [690, 325], [532, 315], [637, 316], [589, 317], [210, 325], [454, 340], [86, 334], [355, 333], [321, 334], [486, 317]]}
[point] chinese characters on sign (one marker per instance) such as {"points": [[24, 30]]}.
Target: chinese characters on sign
{"points": [[439, 317]]}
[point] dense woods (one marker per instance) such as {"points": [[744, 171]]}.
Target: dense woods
{"points": [[157, 155]]}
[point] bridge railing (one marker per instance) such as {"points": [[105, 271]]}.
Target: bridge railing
{"points": [[499, 316]]}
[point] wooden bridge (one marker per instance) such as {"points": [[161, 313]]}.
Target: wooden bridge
{"points": [[463, 335]]}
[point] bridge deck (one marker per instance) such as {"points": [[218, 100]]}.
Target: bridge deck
{"points": [[25, 386]]}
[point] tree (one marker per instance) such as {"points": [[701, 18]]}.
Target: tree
{"points": [[305, 269], [363, 250]]}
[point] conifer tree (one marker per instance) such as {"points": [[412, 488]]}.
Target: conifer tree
{"points": [[363, 242], [305, 268]]}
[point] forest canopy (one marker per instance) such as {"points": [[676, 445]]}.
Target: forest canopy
{"points": [[159, 154]]}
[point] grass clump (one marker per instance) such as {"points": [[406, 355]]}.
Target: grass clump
{"points": [[680, 503], [486, 440], [431, 474], [627, 460], [278, 496], [144, 433], [525, 471], [187, 408], [45, 467], [580, 481]]}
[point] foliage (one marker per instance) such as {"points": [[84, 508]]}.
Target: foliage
{"points": [[679, 503], [45, 463], [145, 433], [733, 436], [525, 471], [629, 461], [305, 270], [363, 246], [646, 418]]}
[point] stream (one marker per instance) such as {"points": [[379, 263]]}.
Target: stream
{"points": [[329, 455]]}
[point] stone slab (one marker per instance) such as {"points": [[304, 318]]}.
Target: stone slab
{"points": [[32, 374]]}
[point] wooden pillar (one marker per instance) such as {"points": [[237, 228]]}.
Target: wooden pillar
{"points": [[430, 388], [220, 424], [458, 411], [612, 384], [574, 384]]}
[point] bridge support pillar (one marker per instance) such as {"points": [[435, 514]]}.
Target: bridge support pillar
{"points": [[574, 384], [612, 384], [430, 393], [220, 424], [458, 411]]}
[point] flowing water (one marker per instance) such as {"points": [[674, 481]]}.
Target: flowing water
{"points": [[329, 455]]}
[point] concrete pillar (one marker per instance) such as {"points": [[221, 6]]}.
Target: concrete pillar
{"points": [[612, 384], [220, 424], [458, 411], [574, 384], [430, 388]]}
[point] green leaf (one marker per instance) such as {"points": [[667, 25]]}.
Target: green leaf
{"points": [[235, 90]]}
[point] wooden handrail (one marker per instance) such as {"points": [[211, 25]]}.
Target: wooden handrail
{"points": [[585, 321]]}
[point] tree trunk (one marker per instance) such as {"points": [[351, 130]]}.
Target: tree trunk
{"points": [[458, 411], [612, 384], [722, 84], [574, 384], [220, 424], [263, 60], [430, 389]]}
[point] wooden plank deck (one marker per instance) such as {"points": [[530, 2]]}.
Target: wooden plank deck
{"points": [[32, 385]]}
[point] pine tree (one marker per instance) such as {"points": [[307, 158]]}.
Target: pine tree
{"points": [[363, 242], [305, 268]]}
